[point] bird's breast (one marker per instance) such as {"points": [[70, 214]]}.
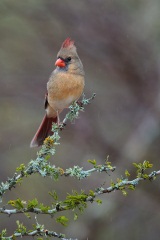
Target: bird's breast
{"points": [[63, 89]]}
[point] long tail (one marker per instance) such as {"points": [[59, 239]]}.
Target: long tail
{"points": [[43, 131]]}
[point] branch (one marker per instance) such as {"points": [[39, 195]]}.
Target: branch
{"points": [[39, 230], [48, 148], [80, 200], [125, 183], [45, 233]]}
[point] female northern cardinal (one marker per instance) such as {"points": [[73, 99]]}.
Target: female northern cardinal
{"points": [[65, 85]]}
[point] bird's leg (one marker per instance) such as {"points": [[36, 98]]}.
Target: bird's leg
{"points": [[58, 118], [80, 103], [61, 125]]}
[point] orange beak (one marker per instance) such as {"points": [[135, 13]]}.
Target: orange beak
{"points": [[60, 63]]}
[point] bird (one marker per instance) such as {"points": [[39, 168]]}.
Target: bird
{"points": [[65, 86]]}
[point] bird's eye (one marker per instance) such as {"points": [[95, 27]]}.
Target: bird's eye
{"points": [[68, 59]]}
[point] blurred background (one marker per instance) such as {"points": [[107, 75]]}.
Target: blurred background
{"points": [[119, 45]]}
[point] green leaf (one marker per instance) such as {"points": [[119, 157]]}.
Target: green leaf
{"points": [[18, 203], [54, 195], [99, 201], [131, 187], [43, 208], [32, 203], [3, 233], [112, 184], [47, 157], [75, 216], [91, 193], [127, 173], [147, 164], [136, 165], [19, 181], [63, 220], [93, 162], [145, 176], [21, 228], [76, 201], [124, 192], [21, 168]]}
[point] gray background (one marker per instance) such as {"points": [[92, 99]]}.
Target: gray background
{"points": [[119, 45]]}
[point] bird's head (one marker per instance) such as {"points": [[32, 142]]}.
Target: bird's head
{"points": [[67, 57]]}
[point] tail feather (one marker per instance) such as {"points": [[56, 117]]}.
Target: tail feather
{"points": [[44, 130]]}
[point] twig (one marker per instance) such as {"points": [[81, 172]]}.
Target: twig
{"points": [[88, 198], [38, 232]]}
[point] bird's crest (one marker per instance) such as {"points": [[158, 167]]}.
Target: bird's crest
{"points": [[67, 43]]}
